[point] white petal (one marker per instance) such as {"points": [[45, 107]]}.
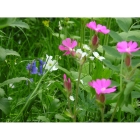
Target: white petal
{"points": [[86, 47], [96, 54], [81, 81], [101, 58], [91, 58], [71, 98], [9, 98]]}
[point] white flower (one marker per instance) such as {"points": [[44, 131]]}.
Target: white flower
{"points": [[50, 65], [97, 56], [59, 25], [91, 57], [81, 52], [11, 86], [80, 81], [86, 47], [71, 98], [9, 98]]}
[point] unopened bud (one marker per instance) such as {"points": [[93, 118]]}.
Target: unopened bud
{"points": [[128, 60], [95, 41], [100, 97]]}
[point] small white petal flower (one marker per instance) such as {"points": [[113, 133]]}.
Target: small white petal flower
{"points": [[11, 86], [9, 98], [81, 52], [98, 56], [71, 98], [91, 58], [86, 47], [50, 65]]}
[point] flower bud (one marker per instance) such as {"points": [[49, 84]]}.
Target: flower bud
{"points": [[100, 97], [95, 41], [128, 60]]}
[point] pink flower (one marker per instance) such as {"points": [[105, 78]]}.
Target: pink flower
{"points": [[124, 47], [67, 83], [98, 28], [68, 45], [101, 86]]}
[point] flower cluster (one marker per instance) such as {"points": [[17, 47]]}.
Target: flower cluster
{"points": [[50, 65]]}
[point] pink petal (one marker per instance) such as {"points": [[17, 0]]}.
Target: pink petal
{"points": [[110, 90], [62, 48], [73, 44], [67, 53], [105, 83], [65, 77], [67, 42], [122, 46], [91, 25]]}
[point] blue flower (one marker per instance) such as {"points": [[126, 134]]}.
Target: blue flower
{"points": [[41, 63], [32, 68]]}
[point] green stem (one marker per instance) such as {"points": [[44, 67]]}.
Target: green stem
{"points": [[121, 71], [107, 36], [121, 84], [32, 95], [102, 113], [77, 91]]}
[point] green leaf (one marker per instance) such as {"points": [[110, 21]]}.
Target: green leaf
{"points": [[60, 117], [127, 92], [2, 53], [108, 64], [130, 35], [138, 120], [135, 26], [4, 22], [2, 92], [124, 23], [5, 52], [4, 105], [13, 80], [20, 24], [112, 51], [43, 119], [115, 36], [129, 108], [64, 70], [135, 94]]}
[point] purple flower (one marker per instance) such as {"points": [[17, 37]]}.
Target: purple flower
{"points": [[32, 68], [41, 63], [68, 45], [98, 27], [127, 47], [101, 86]]}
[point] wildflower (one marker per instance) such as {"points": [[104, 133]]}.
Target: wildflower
{"points": [[50, 65], [98, 28], [124, 47], [71, 98], [80, 53], [32, 68], [86, 47], [68, 45], [96, 54], [67, 83], [41, 63], [11, 86], [59, 25], [101, 86], [95, 41], [9, 98], [46, 23]]}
